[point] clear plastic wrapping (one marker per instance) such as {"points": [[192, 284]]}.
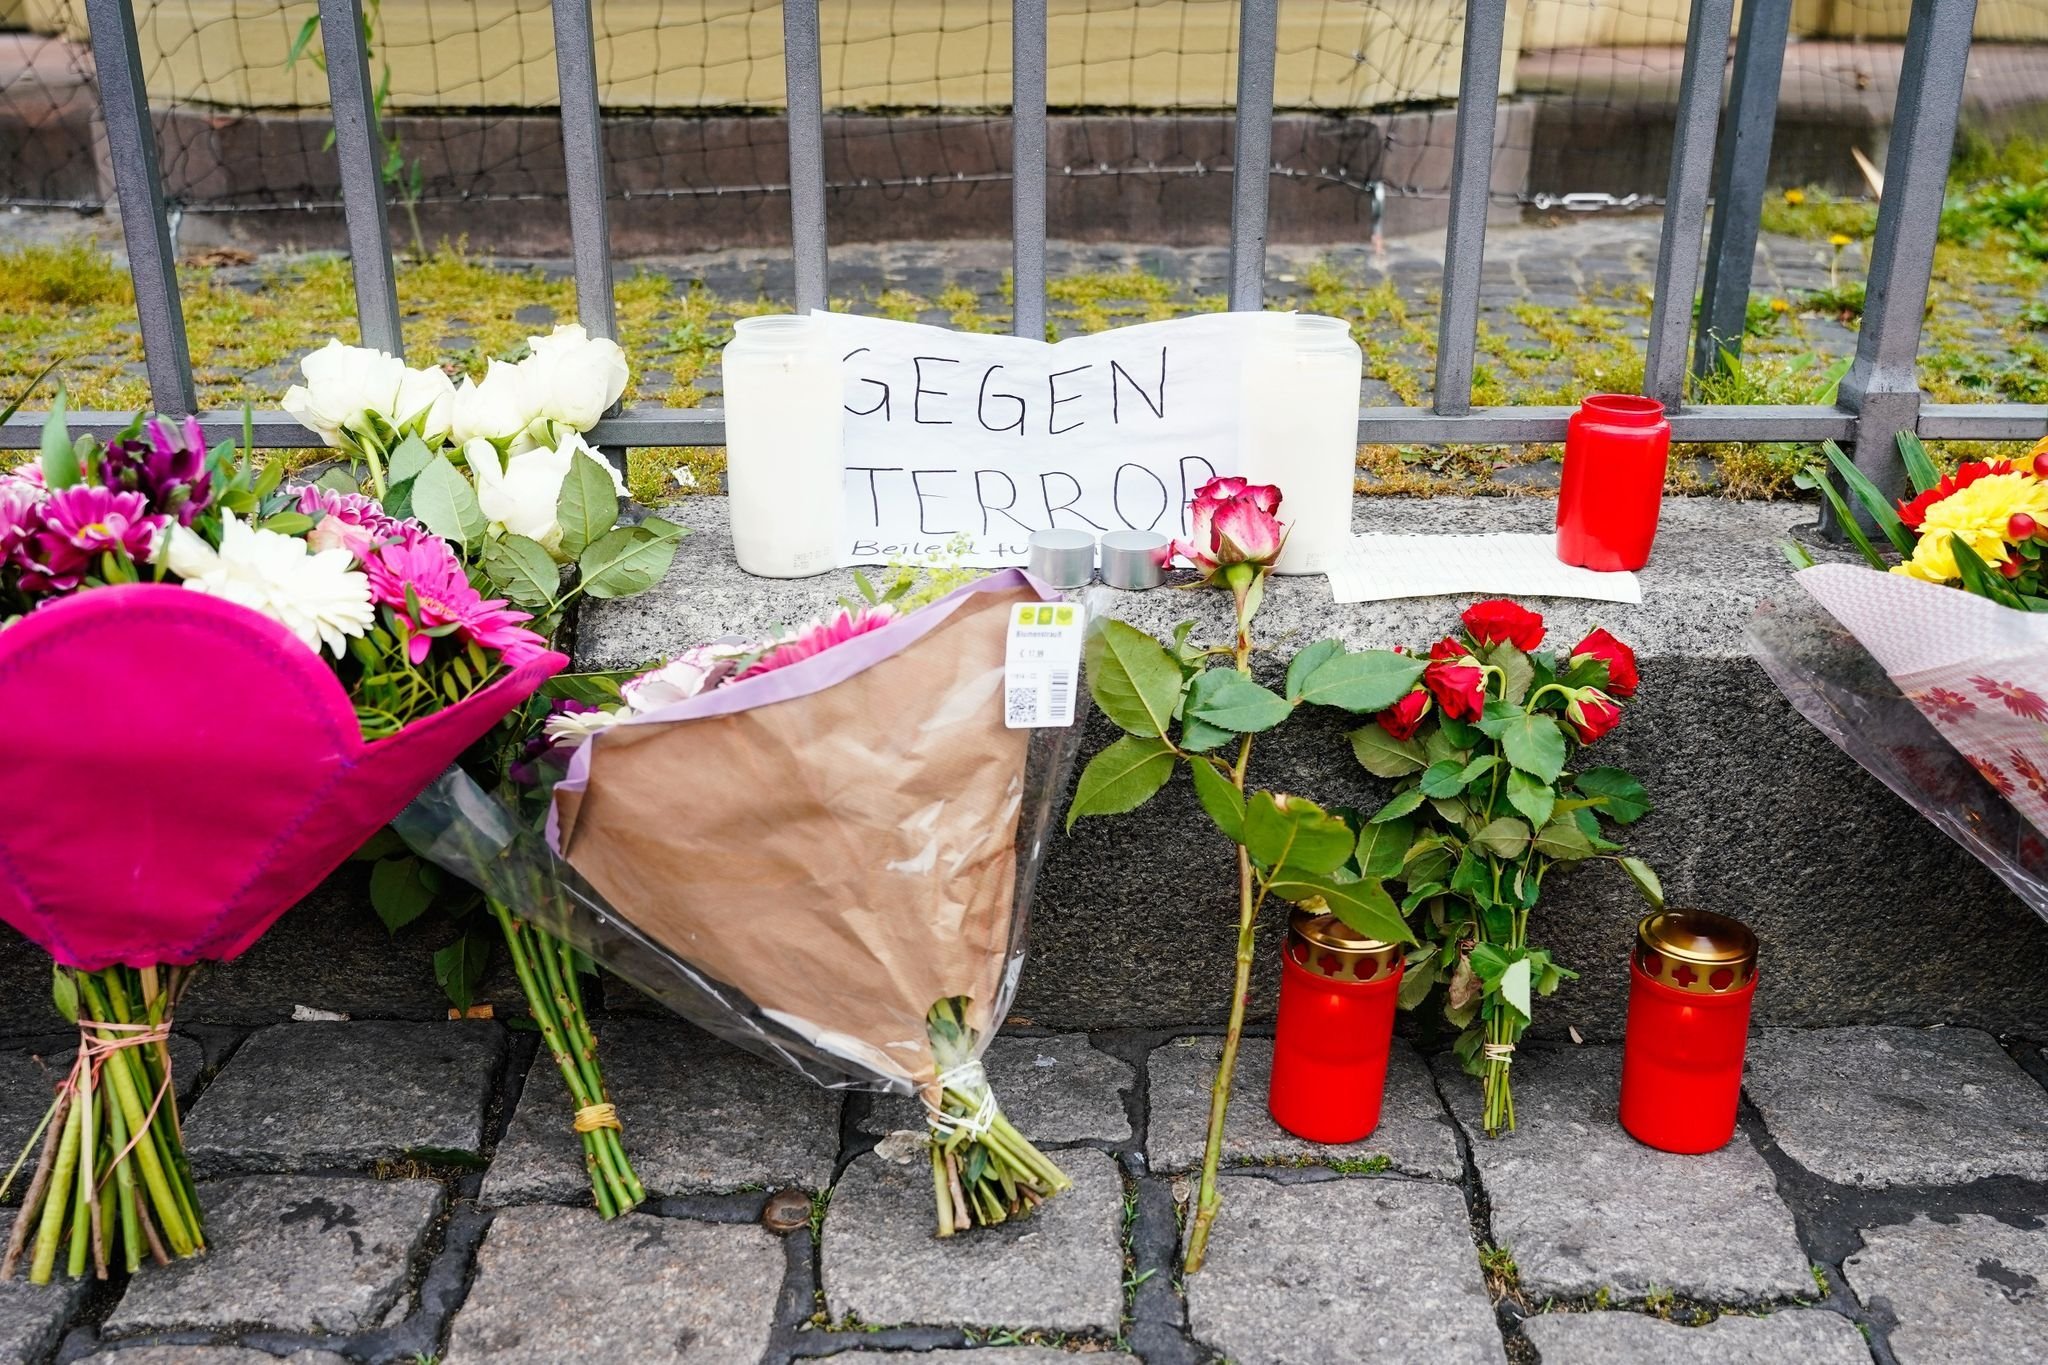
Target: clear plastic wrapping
{"points": [[803, 863]]}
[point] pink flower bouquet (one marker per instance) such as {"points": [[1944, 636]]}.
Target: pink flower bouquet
{"points": [[272, 676]]}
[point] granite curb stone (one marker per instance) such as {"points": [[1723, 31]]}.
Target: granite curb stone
{"points": [[1812, 1336], [1960, 1292], [1878, 1106], [32, 1316], [700, 1116], [292, 1254], [210, 1355], [1342, 1270], [1583, 1206], [556, 1284], [313, 1095], [1059, 1089], [995, 1355], [1060, 1269], [1414, 1133]]}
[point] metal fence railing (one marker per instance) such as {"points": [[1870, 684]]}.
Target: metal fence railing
{"points": [[1719, 155]]}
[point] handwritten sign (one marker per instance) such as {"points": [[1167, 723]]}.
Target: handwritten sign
{"points": [[952, 434]]}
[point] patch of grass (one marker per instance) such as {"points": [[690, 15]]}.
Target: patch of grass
{"points": [[68, 276], [1843, 300], [1660, 1301], [1369, 1165], [1820, 1280], [1815, 213]]}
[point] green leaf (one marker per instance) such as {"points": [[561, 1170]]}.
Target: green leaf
{"points": [[409, 459], [1514, 986], [626, 561], [1515, 665], [1122, 777], [462, 964], [1563, 840], [1363, 905], [1298, 837], [1380, 754], [1504, 838], [1646, 880], [288, 523], [597, 689], [1199, 737], [1383, 848], [1134, 680], [1882, 513], [1489, 962], [1227, 699], [1534, 744], [64, 993], [1473, 879], [60, 463], [1219, 797], [1370, 680], [1920, 470], [1478, 768], [1307, 661], [1532, 798], [338, 480], [522, 570], [1621, 796], [1818, 480], [1429, 860], [1404, 804], [1443, 778], [1586, 670], [399, 893], [1416, 979], [444, 501], [588, 505]]}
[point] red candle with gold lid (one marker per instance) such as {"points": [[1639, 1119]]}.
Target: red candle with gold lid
{"points": [[1692, 977], [1337, 994]]}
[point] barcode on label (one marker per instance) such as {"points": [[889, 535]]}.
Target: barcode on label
{"points": [[1023, 706], [1059, 696]]}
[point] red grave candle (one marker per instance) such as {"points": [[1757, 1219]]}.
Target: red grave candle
{"points": [[1337, 997], [1691, 979], [1616, 448]]}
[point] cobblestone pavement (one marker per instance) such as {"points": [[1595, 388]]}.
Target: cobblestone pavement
{"points": [[399, 1191]]}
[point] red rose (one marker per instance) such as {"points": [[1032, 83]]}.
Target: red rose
{"points": [[1455, 680], [1591, 713], [1404, 717], [1619, 658], [1489, 623]]}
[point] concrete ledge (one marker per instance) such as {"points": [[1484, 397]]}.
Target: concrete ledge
{"points": [[1865, 912]]}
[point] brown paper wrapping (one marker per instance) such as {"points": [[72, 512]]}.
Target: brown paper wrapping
{"points": [[846, 859]]}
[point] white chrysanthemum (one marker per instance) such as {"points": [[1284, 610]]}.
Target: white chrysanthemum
{"points": [[573, 727], [318, 596]]}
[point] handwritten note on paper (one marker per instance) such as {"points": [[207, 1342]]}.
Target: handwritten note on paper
{"points": [[1380, 568], [994, 437]]}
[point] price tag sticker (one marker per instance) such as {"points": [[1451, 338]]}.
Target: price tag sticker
{"points": [[1042, 665]]}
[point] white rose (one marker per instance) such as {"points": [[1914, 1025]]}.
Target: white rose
{"points": [[344, 385], [576, 377], [520, 492], [424, 404], [497, 410]]}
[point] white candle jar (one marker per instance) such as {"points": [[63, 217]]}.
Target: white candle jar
{"points": [[1298, 428], [784, 456]]}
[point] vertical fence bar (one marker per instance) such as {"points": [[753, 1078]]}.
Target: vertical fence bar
{"points": [[1739, 180], [359, 144], [1685, 200], [583, 162], [803, 73], [138, 183], [1258, 40], [1883, 384], [1028, 165], [1471, 184]]}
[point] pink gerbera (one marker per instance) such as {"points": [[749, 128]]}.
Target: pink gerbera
{"points": [[817, 637], [78, 526], [2017, 699], [444, 597]]}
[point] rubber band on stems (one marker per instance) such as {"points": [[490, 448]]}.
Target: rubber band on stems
{"points": [[1504, 1053], [965, 1077]]}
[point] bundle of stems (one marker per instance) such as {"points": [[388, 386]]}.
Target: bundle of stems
{"points": [[550, 972], [983, 1170], [111, 1183]]}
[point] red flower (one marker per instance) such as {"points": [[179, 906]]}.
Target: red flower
{"points": [[1947, 704], [2029, 771], [1455, 680], [1488, 623], [2017, 699], [1591, 713], [1619, 658], [1915, 512], [1992, 774], [1404, 717]]}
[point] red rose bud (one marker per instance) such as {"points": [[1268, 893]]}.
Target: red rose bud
{"points": [[1404, 717], [2021, 527], [1455, 680], [1591, 713], [1619, 658], [1489, 623], [2013, 567]]}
